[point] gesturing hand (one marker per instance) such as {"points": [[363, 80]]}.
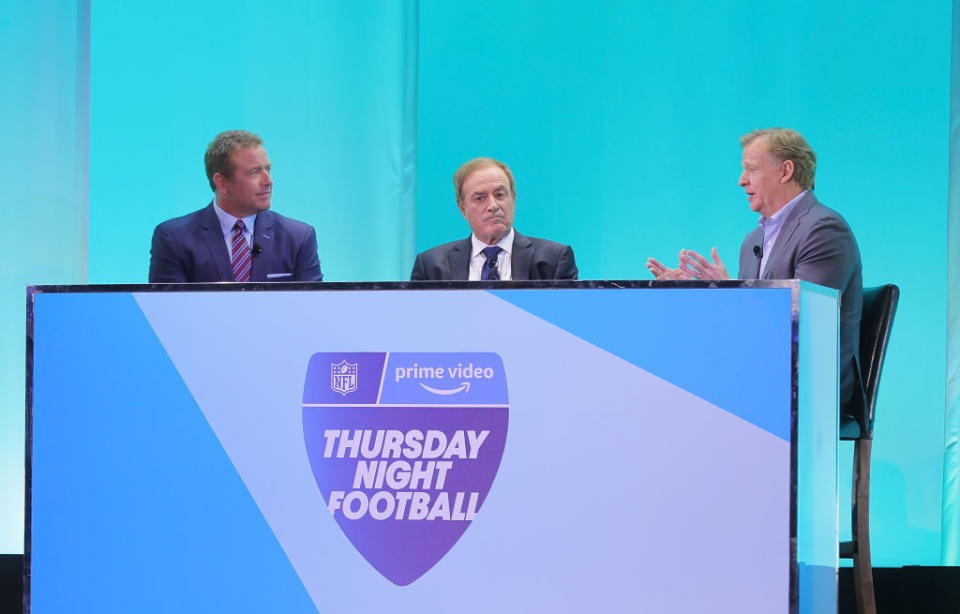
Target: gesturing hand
{"points": [[698, 267], [663, 273]]}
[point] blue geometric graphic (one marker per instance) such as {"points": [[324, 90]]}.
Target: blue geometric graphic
{"points": [[724, 368], [175, 529]]}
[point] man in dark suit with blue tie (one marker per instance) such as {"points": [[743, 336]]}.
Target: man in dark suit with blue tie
{"points": [[236, 237], [486, 195], [797, 238]]}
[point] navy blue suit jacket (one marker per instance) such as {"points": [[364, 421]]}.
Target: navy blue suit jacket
{"points": [[531, 258], [815, 244], [191, 248]]}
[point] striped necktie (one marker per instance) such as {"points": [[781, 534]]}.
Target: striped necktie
{"points": [[241, 253]]}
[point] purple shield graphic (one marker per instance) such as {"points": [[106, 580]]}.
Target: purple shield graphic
{"points": [[406, 458]]}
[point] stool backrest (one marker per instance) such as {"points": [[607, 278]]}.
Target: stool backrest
{"points": [[879, 308]]}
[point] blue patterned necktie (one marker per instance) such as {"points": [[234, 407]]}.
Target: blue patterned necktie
{"points": [[489, 270]]}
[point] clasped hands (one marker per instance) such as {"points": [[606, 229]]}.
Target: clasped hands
{"points": [[691, 266]]}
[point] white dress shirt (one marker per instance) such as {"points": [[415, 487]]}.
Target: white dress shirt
{"points": [[477, 259]]}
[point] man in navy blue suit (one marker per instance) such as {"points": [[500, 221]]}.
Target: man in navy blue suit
{"points": [[486, 195], [236, 237]]}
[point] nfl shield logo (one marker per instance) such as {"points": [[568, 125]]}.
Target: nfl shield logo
{"points": [[343, 377]]}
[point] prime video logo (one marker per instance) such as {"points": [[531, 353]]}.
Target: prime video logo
{"points": [[464, 373]]}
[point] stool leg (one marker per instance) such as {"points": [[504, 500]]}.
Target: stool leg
{"points": [[862, 567]]}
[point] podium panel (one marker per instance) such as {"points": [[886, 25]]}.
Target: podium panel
{"points": [[561, 447]]}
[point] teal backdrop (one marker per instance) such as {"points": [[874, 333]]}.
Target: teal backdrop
{"points": [[620, 120], [43, 171], [330, 87], [950, 539]]}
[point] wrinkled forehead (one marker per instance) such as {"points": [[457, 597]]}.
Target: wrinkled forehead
{"points": [[485, 179]]}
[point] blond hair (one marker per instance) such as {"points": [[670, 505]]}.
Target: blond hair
{"points": [[786, 144], [217, 159]]}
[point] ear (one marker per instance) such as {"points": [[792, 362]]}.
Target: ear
{"points": [[221, 182], [786, 175], [463, 211]]}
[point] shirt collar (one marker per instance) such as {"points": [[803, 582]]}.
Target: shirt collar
{"points": [[776, 220], [227, 221], [506, 244]]}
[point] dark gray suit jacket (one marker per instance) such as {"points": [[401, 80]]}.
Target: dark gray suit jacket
{"points": [[191, 249], [530, 259], [816, 245]]}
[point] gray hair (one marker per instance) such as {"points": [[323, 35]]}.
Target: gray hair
{"points": [[476, 164]]}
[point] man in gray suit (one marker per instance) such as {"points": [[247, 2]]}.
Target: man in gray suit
{"points": [[798, 238], [486, 194]]}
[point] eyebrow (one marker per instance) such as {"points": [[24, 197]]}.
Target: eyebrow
{"points": [[495, 188], [502, 186]]}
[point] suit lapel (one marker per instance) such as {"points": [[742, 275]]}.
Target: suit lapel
{"points": [[790, 226], [459, 260], [520, 258], [755, 263], [213, 237], [263, 238]]}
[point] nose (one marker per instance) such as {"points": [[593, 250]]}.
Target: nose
{"points": [[267, 179], [743, 179]]}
